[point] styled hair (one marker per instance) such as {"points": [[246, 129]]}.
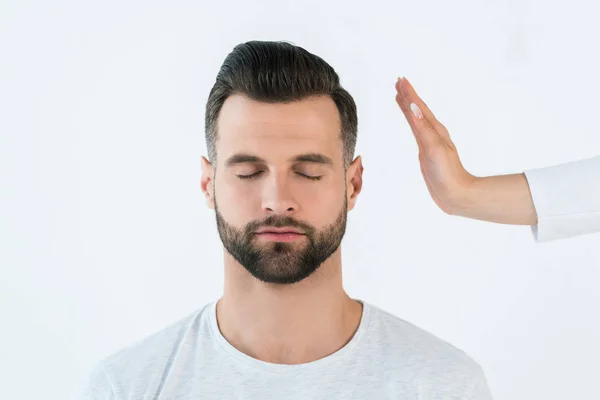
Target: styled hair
{"points": [[278, 72]]}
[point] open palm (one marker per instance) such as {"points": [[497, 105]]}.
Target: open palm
{"points": [[444, 174]]}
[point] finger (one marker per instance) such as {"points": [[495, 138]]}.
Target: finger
{"points": [[424, 133], [409, 92], [409, 118], [408, 114]]}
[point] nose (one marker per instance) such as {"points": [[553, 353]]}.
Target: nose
{"points": [[278, 197]]}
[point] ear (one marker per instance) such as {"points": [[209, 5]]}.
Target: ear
{"points": [[354, 181], [207, 182]]}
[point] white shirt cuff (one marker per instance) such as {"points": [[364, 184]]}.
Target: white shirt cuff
{"points": [[566, 198]]}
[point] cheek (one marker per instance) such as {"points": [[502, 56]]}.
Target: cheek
{"points": [[237, 202], [323, 204]]}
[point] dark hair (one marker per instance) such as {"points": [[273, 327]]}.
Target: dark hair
{"points": [[278, 72]]}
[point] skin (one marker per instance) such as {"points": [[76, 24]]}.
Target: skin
{"points": [[283, 302], [504, 199]]}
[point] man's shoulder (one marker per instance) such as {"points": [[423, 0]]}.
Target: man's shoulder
{"points": [[158, 344], [118, 372], [418, 348], [152, 353]]}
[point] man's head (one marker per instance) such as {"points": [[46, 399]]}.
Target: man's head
{"points": [[280, 134]]}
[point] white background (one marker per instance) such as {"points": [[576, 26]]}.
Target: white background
{"points": [[105, 237]]}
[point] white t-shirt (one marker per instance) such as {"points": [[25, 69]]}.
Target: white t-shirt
{"points": [[387, 358]]}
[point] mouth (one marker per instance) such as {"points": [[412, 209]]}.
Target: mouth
{"points": [[280, 231], [282, 236]]}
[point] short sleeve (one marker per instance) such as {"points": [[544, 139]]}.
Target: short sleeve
{"points": [[481, 391], [95, 385], [566, 198]]}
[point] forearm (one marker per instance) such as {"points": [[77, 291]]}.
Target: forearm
{"points": [[503, 199]]}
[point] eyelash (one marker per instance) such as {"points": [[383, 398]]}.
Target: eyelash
{"points": [[313, 178]]}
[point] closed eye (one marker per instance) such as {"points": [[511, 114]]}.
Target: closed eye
{"points": [[254, 175], [312, 178], [249, 176]]}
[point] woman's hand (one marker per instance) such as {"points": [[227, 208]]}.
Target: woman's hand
{"points": [[446, 178]]}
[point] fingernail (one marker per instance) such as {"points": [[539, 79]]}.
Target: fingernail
{"points": [[416, 111]]}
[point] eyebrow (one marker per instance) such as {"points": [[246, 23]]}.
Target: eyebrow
{"points": [[316, 158]]}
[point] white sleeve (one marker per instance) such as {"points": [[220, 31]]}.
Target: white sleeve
{"points": [[566, 198], [95, 385], [481, 391]]}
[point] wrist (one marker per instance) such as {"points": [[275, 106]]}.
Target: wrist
{"points": [[465, 199]]}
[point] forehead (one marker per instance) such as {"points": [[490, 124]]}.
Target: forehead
{"points": [[272, 129]]}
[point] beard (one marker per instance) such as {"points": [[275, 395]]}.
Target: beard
{"points": [[282, 262]]}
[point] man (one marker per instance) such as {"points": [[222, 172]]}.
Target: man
{"points": [[281, 134], [559, 201]]}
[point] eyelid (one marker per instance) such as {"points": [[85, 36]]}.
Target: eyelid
{"points": [[314, 178], [257, 173], [250, 176]]}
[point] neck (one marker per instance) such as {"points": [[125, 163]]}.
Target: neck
{"points": [[287, 324]]}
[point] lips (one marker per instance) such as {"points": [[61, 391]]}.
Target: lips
{"points": [[280, 230]]}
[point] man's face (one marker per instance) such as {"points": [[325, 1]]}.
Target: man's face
{"points": [[280, 166]]}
